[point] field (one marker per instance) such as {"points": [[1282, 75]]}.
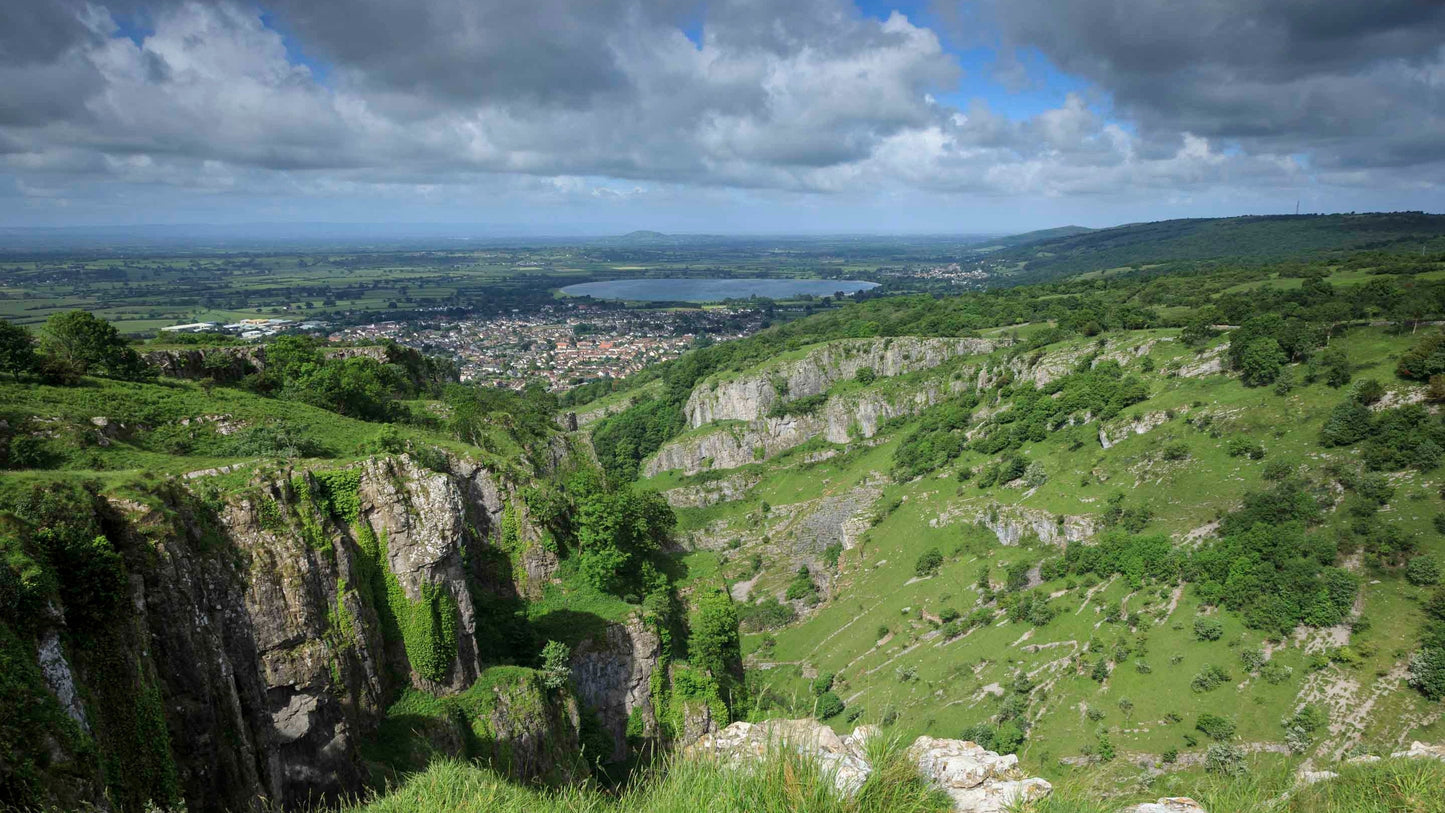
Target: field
{"points": [[142, 292]]}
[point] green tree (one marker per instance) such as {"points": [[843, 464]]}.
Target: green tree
{"points": [[17, 349], [828, 705], [1260, 362], [713, 642], [85, 343], [556, 671]]}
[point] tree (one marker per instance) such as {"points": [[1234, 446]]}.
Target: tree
{"points": [[713, 642], [1261, 361], [928, 563], [828, 705], [17, 349], [556, 671], [82, 342]]}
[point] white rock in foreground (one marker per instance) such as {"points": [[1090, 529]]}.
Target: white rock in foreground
{"points": [[976, 779], [1420, 750], [1169, 804], [842, 758]]}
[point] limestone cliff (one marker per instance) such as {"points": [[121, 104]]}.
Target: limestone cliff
{"points": [[262, 637], [750, 396]]}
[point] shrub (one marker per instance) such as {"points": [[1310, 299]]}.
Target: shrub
{"points": [[928, 563], [556, 671], [821, 684], [1215, 727], [767, 613], [1276, 470], [1427, 672], [1208, 629], [1209, 678], [1178, 450], [1422, 571], [829, 705], [1243, 447], [865, 375], [1226, 760], [802, 587]]}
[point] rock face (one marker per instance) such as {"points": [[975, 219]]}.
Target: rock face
{"points": [[269, 632], [749, 397], [976, 779], [613, 679], [841, 420], [1110, 436]]}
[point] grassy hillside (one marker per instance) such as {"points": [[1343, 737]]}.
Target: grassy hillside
{"points": [[1254, 239], [992, 569]]}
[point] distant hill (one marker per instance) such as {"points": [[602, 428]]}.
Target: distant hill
{"points": [[1037, 236], [1260, 238]]}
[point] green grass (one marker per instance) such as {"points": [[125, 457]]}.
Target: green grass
{"points": [[1390, 786], [781, 781], [876, 587]]}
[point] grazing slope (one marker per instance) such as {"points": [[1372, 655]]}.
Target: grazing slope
{"points": [[1107, 530], [1250, 239]]}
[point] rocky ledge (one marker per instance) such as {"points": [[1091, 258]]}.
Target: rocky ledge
{"points": [[978, 780]]}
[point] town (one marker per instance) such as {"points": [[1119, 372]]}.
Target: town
{"points": [[562, 345]]}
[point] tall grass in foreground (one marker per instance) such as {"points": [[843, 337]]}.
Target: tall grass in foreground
{"points": [[781, 782], [1391, 786]]}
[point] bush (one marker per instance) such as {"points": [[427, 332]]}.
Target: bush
{"points": [[1226, 760], [865, 375], [1427, 672], [1208, 629], [1215, 727], [802, 587], [1178, 450], [822, 684], [1243, 447], [556, 671], [1209, 678], [829, 705], [1422, 571], [928, 563], [767, 613]]}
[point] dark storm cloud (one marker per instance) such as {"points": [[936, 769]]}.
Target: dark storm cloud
{"points": [[1355, 82], [39, 30], [552, 51]]}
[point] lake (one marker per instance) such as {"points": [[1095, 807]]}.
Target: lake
{"points": [[713, 290]]}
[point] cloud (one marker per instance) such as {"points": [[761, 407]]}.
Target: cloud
{"points": [[1355, 83], [613, 100]]}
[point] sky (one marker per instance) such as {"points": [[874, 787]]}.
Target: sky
{"points": [[716, 116]]}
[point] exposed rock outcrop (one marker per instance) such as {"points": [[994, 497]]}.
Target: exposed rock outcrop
{"points": [[1114, 434], [976, 779], [613, 679], [1012, 523], [1168, 804], [841, 420], [265, 636], [749, 396]]}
